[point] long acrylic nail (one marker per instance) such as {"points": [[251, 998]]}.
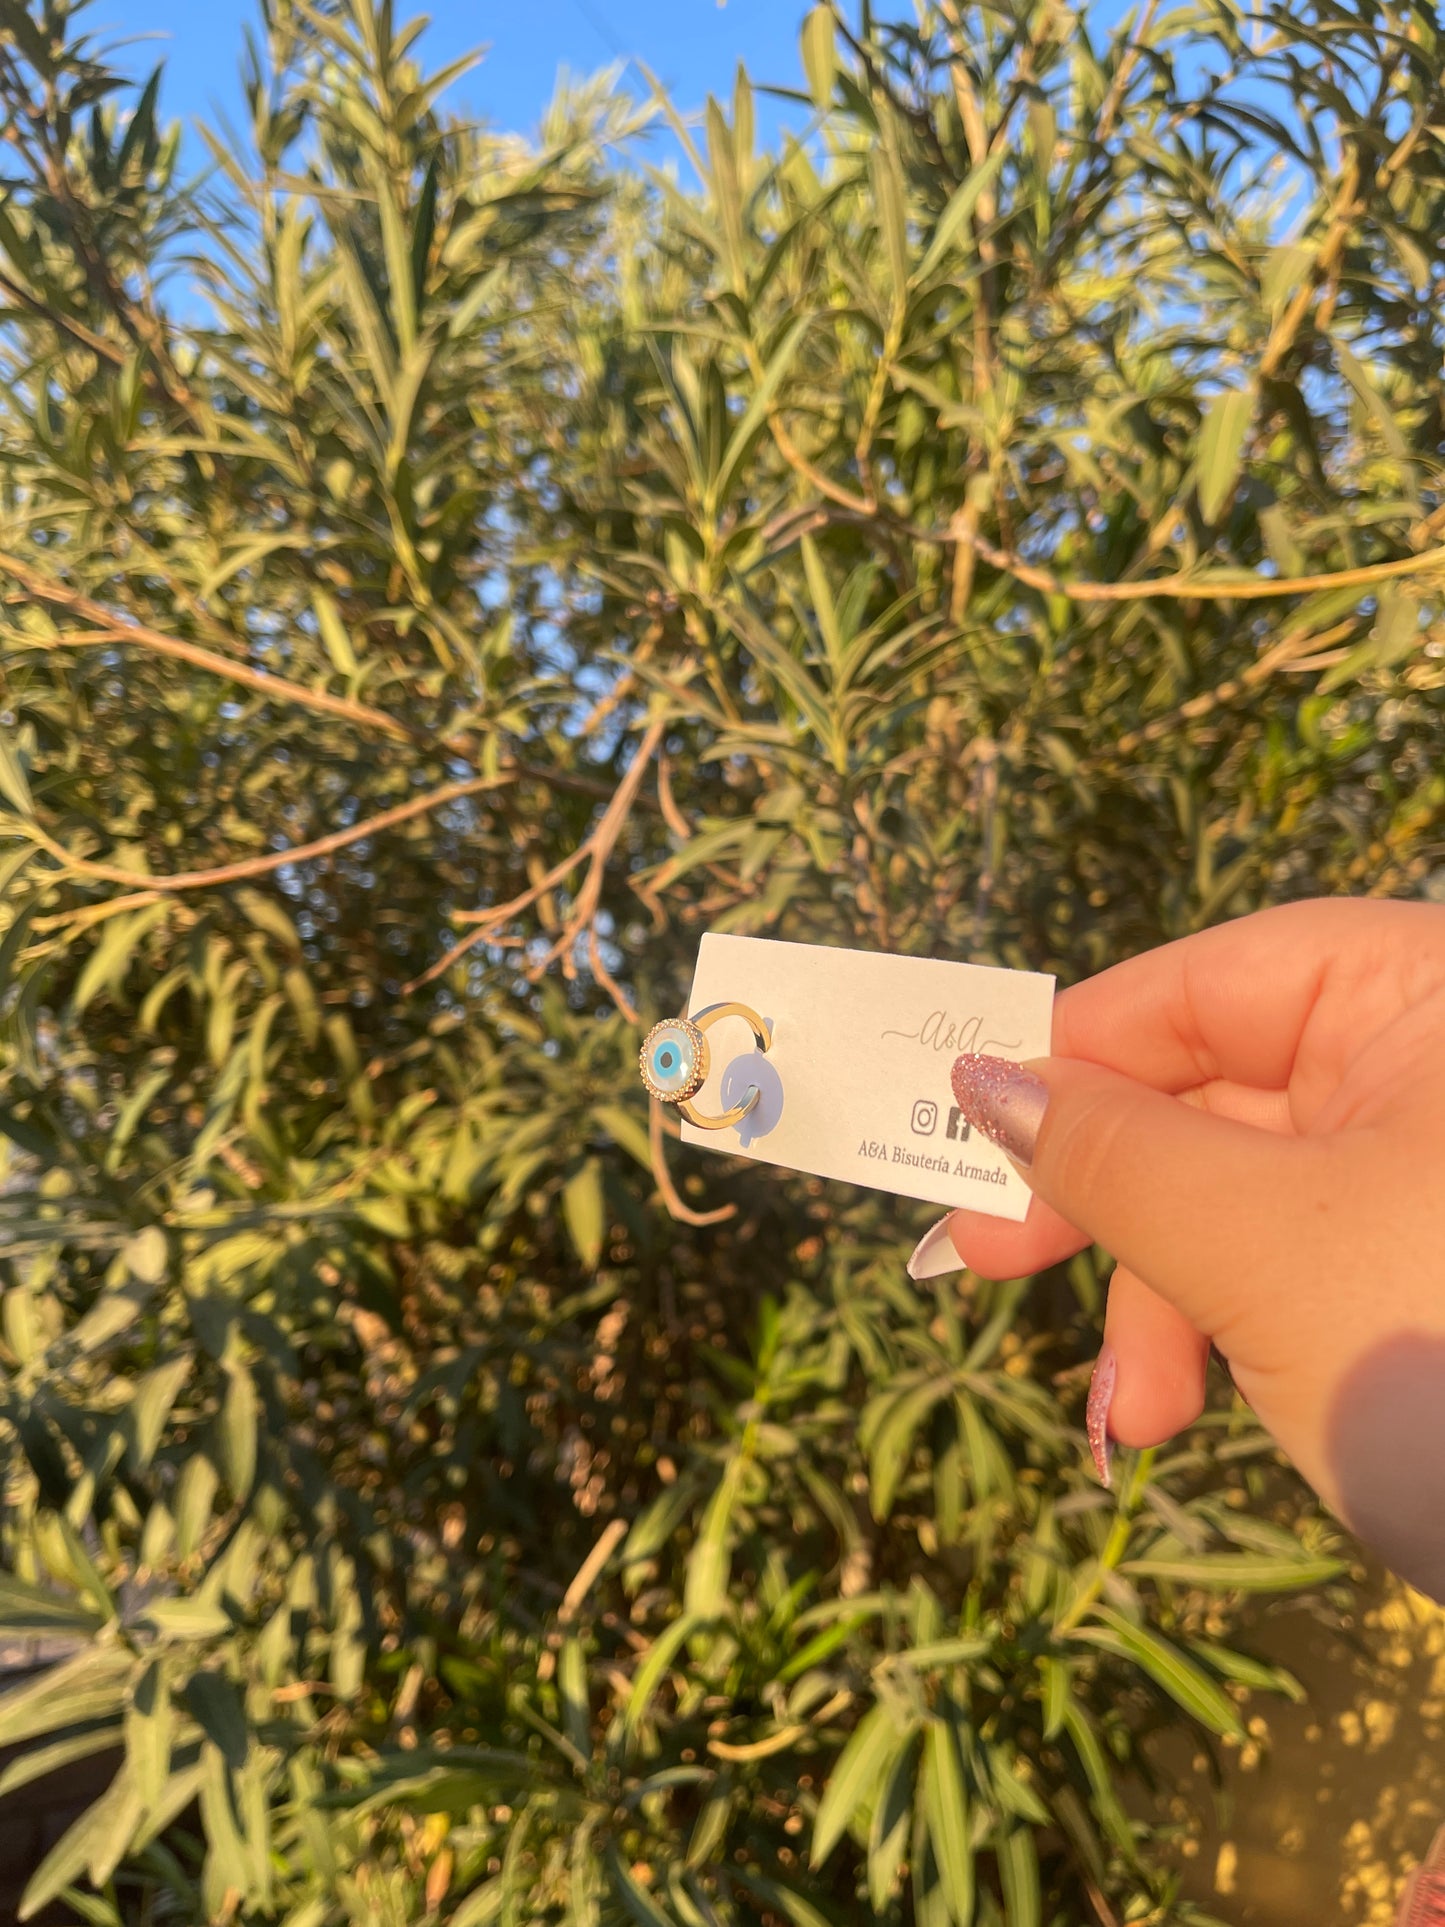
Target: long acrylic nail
{"points": [[935, 1253], [1096, 1414], [1423, 1902], [1002, 1101]]}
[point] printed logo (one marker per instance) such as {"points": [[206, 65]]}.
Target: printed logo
{"points": [[925, 1117], [957, 1129]]}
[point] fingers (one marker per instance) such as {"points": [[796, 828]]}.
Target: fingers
{"points": [[1205, 1209], [995, 1248], [1160, 1362], [1235, 1001]]}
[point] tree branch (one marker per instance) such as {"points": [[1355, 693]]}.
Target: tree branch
{"points": [[1179, 587], [109, 629], [594, 850], [277, 859], [683, 1213]]}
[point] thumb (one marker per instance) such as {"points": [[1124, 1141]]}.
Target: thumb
{"points": [[1204, 1209]]}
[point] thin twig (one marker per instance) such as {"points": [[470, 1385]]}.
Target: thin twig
{"points": [[1294, 651], [594, 850], [78, 332], [1113, 100], [110, 628], [587, 1572], [1184, 587], [672, 816], [799, 463], [276, 859], [683, 1213], [786, 1736], [1343, 215], [1181, 586], [605, 977]]}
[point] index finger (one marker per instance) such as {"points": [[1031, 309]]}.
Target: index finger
{"points": [[1236, 1002]]}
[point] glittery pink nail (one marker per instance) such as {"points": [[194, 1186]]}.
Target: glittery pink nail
{"points": [[1423, 1902], [1002, 1101], [1096, 1417]]}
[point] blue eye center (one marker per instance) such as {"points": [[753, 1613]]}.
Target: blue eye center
{"points": [[673, 1059]]}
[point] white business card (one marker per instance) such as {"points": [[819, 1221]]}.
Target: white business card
{"points": [[855, 1084]]}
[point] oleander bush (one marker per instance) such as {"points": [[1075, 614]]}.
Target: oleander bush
{"points": [[444, 572]]}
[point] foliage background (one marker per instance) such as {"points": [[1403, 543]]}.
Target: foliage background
{"points": [[1006, 525]]}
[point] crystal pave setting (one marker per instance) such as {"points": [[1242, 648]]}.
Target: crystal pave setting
{"points": [[674, 1060]]}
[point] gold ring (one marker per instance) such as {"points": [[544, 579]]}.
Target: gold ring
{"points": [[675, 1059]]}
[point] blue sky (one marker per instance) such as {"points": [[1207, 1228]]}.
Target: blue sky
{"points": [[693, 45]]}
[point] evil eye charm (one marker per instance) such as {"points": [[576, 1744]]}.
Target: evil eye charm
{"points": [[674, 1060]]}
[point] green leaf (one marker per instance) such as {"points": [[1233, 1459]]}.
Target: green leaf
{"points": [[1013, 1793], [572, 1690], [481, 1908], [890, 203], [1238, 1571], [891, 1447], [755, 416], [627, 1130], [106, 965], [709, 1832], [584, 1211], [778, 1898], [1221, 448], [155, 1395], [146, 1254], [945, 1802], [648, 1677], [95, 1843], [115, 1311], [1112, 1817], [1018, 1866], [333, 633], [89, 1687], [216, 1706], [889, 1827], [637, 1903], [36, 1762], [36, 1613], [148, 1735], [961, 205], [856, 1772], [1180, 1678], [1354, 372], [227, 1858], [238, 1426], [187, 1619], [820, 54], [939, 1652], [1249, 1672], [709, 1563], [14, 784], [14, 942], [195, 1495]]}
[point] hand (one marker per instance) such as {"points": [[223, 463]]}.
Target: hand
{"points": [[1252, 1120]]}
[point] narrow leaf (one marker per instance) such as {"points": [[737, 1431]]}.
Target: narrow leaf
{"points": [[855, 1774], [1221, 447]]}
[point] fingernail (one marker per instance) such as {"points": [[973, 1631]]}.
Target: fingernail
{"points": [[934, 1253], [1002, 1101], [1423, 1901], [1096, 1415]]}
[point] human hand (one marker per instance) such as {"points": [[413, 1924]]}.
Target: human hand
{"points": [[1252, 1121]]}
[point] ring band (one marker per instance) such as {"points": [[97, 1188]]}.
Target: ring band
{"points": [[675, 1060]]}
